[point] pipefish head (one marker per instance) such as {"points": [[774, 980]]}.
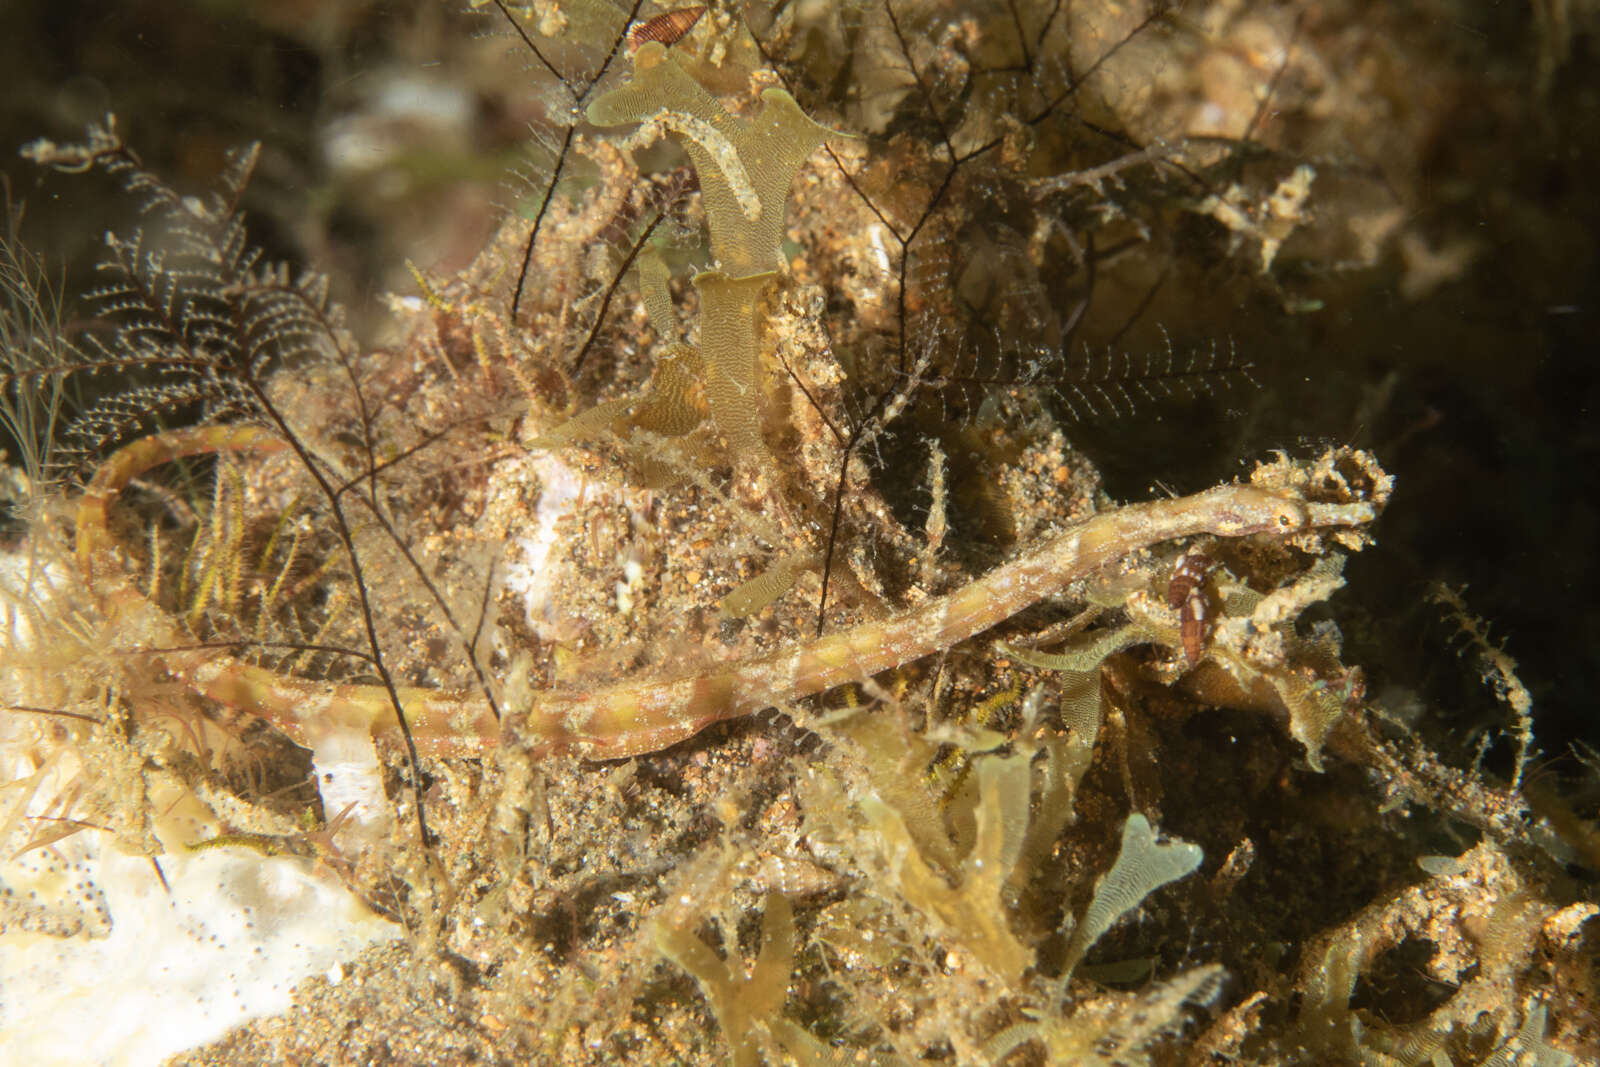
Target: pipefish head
{"points": [[1254, 511]]}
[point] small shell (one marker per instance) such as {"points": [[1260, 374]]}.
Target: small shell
{"points": [[792, 875], [1187, 576], [1186, 592], [669, 27]]}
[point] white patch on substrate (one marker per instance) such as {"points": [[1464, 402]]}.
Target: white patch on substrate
{"points": [[528, 572], [533, 568], [350, 780], [633, 575], [876, 233], [151, 974], [237, 933]]}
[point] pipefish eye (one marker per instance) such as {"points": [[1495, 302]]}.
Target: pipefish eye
{"points": [[1293, 515]]}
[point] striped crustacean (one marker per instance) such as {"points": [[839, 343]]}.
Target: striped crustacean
{"points": [[646, 714]]}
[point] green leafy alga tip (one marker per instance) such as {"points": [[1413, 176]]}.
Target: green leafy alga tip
{"points": [[746, 166]]}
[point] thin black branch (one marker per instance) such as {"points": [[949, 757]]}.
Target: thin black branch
{"points": [[865, 199], [439, 601], [916, 76], [1073, 84], [515, 25], [616, 45], [244, 642], [833, 532], [821, 414], [578, 95], [428, 441], [363, 597], [1022, 35], [1138, 312], [611, 290], [477, 631], [30, 709], [538, 219]]}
